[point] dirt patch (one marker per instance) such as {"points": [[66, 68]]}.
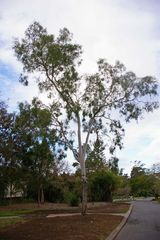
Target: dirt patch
{"points": [[89, 227], [110, 208], [97, 225]]}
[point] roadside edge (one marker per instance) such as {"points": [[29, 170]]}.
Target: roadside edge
{"points": [[115, 232]]}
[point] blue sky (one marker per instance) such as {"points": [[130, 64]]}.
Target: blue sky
{"points": [[114, 29]]}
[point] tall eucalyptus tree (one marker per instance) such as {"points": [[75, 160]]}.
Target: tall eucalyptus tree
{"points": [[86, 103]]}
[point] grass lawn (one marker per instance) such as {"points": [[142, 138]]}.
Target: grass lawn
{"points": [[10, 221], [9, 213]]}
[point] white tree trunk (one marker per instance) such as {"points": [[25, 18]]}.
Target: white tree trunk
{"points": [[81, 159], [84, 186]]}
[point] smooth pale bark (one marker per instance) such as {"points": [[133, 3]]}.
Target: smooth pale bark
{"points": [[84, 186], [84, 196], [83, 169]]}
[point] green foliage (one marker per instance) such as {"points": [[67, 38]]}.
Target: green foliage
{"points": [[156, 187], [123, 189], [10, 144], [138, 169], [141, 186], [14, 213], [155, 175], [96, 158], [113, 165], [92, 107], [27, 151], [37, 155], [102, 184], [3, 183], [72, 199], [141, 182]]}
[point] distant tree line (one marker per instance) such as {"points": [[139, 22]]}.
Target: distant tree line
{"points": [[32, 161]]}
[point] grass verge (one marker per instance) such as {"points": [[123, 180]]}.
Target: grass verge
{"points": [[10, 222], [13, 213]]}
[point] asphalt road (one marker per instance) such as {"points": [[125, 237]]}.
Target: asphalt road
{"points": [[143, 223]]}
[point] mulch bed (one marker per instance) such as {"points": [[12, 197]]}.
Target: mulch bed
{"points": [[110, 208], [89, 227], [93, 226]]}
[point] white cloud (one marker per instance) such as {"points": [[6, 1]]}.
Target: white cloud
{"points": [[104, 28], [141, 142], [151, 151]]}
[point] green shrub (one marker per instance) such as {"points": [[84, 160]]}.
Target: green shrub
{"points": [[102, 184], [72, 199]]}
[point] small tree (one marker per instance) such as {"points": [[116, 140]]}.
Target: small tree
{"points": [[141, 182], [5, 124], [9, 148], [37, 155], [87, 102]]}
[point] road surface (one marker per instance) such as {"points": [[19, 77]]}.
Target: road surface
{"points": [[143, 223]]}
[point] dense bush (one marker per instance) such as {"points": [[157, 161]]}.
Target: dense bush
{"points": [[141, 186], [102, 184], [72, 199]]}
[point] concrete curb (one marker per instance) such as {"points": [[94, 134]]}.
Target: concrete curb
{"points": [[115, 232]]}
